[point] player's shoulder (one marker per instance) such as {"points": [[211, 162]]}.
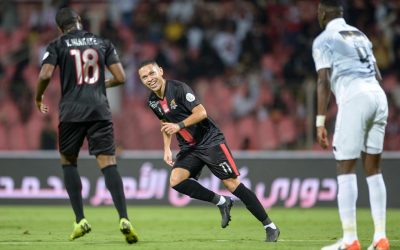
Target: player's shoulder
{"points": [[321, 38], [176, 83], [56, 42]]}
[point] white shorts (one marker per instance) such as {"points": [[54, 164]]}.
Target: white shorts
{"points": [[360, 125]]}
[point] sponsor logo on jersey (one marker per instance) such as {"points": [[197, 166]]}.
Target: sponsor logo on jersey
{"points": [[190, 97]]}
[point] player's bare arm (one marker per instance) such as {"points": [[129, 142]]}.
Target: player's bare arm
{"points": [[199, 113], [324, 92], [44, 78], [118, 73], [167, 149]]}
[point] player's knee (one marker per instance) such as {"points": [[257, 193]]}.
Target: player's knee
{"points": [[175, 180], [68, 159], [177, 176], [106, 160], [231, 184], [369, 171]]}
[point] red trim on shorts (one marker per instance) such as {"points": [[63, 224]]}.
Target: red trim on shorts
{"points": [[187, 136], [230, 158]]}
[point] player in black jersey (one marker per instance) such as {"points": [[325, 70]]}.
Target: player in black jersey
{"points": [[201, 143], [84, 111]]}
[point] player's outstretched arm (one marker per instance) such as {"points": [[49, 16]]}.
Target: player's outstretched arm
{"points": [[44, 78], [118, 73]]}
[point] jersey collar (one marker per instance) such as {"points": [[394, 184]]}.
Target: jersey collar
{"points": [[165, 91], [335, 22]]}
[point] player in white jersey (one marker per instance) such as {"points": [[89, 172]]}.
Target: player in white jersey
{"points": [[346, 66]]}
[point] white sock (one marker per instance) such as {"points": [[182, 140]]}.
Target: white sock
{"points": [[221, 200], [347, 197], [377, 199], [271, 225]]}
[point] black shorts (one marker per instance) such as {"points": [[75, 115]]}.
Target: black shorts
{"points": [[100, 136], [217, 158]]}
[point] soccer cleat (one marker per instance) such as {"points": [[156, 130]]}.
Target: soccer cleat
{"points": [[225, 210], [339, 245], [80, 229], [128, 231], [382, 244], [272, 234]]}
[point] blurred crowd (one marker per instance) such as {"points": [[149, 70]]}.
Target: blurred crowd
{"points": [[249, 62]]}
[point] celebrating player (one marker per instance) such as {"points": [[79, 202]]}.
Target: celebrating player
{"points": [[201, 143]]}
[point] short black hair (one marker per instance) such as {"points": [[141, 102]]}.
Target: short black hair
{"points": [[332, 3], [147, 62], [66, 17]]}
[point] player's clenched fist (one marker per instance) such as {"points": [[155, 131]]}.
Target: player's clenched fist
{"points": [[322, 137], [169, 128]]}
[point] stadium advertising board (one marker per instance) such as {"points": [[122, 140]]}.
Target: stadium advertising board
{"points": [[277, 181]]}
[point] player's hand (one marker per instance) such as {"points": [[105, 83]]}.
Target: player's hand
{"points": [[169, 128], [322, 137], [43, 108], [168, 157]]}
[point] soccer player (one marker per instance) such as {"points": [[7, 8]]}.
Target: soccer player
{"points": [[84, 111], [201, 143], [346, 65]]}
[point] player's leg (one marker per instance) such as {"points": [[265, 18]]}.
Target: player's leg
{"points": [[71, 136], [181, 182], [347, 198], [101, 143], [377, 198], [253, 204], [221, 163], [371, 158], [187, 166], [347, 144], [113, 181]]}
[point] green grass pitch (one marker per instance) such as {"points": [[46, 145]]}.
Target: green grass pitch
{"points": [[163, 228]]}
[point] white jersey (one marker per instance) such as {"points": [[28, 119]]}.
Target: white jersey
{"points": [[348, 53]]}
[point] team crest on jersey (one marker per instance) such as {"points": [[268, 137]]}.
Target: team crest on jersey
{"points": [[190, 97], [172, 104]]}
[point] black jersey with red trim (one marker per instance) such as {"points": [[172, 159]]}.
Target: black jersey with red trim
{"points": [[82, 57], [177, 104]]}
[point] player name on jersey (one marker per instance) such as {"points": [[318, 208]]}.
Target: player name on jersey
{"points": [[81, 41]]}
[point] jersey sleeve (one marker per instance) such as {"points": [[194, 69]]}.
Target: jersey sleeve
{"points": [[187, 97], [111, 54], [321, 53], [50, 56]]}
